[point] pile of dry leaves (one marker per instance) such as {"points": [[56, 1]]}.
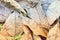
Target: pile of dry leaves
{"points": [[28, 22]]}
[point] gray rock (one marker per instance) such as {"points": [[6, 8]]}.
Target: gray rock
{"points": [[16, 20]]}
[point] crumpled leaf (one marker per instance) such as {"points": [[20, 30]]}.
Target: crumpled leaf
{"points": [[13, 26], [40, 30], [35, 13]]}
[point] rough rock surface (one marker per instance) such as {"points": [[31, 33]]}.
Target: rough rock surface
{"points": [[12, 21]]}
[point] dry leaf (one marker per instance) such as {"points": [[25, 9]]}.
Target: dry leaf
{"points": [[36, 28], [13, 26]]}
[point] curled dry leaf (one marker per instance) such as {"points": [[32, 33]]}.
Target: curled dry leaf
{"points": [[35, 13], [36, 28], [13, 26]]}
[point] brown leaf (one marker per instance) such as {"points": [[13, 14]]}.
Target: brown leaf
{"points": [[13, 24], [35, 13], [36, 28]]}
